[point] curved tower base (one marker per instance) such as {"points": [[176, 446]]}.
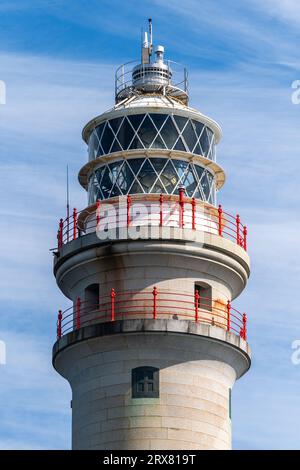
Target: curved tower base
{"points": [[198, 365]]}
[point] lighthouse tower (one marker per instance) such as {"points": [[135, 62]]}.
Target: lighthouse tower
{"points": [[152, 343]]}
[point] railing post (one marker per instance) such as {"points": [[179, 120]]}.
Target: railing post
{"points": [[220, 215], [197, 302], [68, 226], [245, 233], [60, 233], [244, 329], [128, 209], [97, 214], [238, 222], [59, 320], [181, 207], [78, 313], [154, 292], [74, 224], [112, 298], [193, 214], [161, 200], [228, 315], [61, 228]]}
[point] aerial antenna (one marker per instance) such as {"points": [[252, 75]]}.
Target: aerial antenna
{"points": [[151, 36], [142, 41], [145, 48], [68, 203]]}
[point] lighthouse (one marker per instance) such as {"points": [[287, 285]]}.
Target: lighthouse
{"points": [[152, 342]]}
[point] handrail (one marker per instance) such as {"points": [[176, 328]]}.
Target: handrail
{"points": [[155, 304], [158, 210]]}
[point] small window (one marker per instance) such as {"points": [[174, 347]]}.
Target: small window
{"points": [[145, 382], [230, 403], [92, 296], [205, 296]]}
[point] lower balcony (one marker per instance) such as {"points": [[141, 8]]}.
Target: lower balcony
{"points": [[155, 304]]}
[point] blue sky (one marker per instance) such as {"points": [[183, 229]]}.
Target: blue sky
{"points": [[58, 59]]}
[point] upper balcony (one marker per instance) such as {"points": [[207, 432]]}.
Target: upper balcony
{"points": [[110, 219]]}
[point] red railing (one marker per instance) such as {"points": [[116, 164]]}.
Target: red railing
{"points": [[152, 210], [153, 304]]}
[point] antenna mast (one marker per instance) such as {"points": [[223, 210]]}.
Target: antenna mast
{"points": [[151, 36], [68, 203]]}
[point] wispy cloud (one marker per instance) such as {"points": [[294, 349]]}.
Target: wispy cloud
{"points": [[226, 33], [48, 103], [37, 402], [284, 10]]}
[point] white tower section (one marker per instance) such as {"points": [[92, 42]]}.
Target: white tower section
{"points": [[152, 344]]}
